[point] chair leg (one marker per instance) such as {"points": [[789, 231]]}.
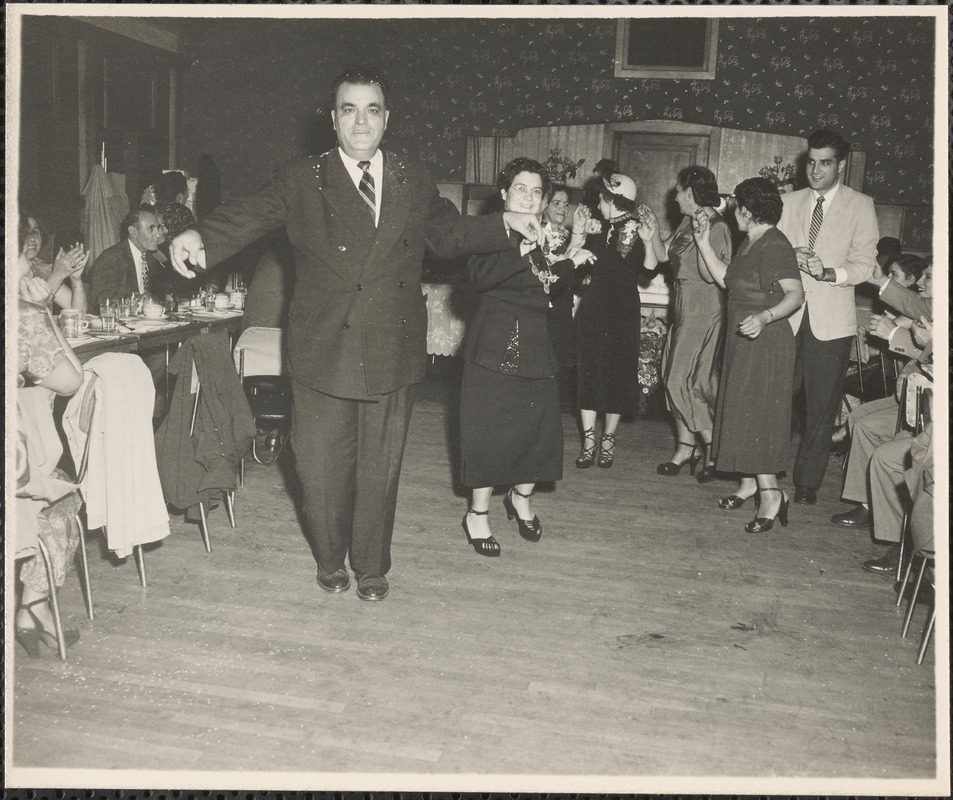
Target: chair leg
{"points": [[54, 601], [230, 507], [140, 563], [913, 598], [927, 633], [906, 579], [241, 473], [84, 561], [203, 527], [904, 532]]}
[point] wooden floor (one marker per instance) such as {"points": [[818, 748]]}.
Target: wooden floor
{"points": [[644, 638]]}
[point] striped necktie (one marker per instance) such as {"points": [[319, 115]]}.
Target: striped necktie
{"points": [[145, 273], [366, 188], [816, 219]]}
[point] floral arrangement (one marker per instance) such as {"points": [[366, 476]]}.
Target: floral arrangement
{"points": [[779, 174], [650, 355], [560, 168]]}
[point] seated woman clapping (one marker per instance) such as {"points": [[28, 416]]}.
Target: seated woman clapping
{"points": [[64, 276]]}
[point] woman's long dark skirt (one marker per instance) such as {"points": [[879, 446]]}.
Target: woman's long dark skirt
{"points": [[510, 429]]}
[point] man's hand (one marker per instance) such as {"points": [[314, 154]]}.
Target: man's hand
{"points": [[922, 332], [526, 225], [878, 279], [881, 326], [188, 248], [815, 266]]}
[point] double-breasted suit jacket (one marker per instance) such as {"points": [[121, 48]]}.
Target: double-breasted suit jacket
{"points": [[358, 320], [115, 274], [847, 240]]}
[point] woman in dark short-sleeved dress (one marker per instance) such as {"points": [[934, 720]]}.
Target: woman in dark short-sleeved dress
{"points": [[753, 416]]}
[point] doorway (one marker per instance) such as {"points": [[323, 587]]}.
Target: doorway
{"points": [[653, 160]]}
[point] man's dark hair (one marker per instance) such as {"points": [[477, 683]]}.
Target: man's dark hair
{"points": [[821, 139], [169, 186], [360, 76], [132, 218]]}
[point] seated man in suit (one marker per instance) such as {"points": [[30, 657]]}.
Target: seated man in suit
{"points": [[130, 265], [874, 424]]}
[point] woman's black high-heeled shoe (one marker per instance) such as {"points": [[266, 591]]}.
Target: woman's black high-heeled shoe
{"points": [[672, 468], [484, 547], [31, 638], [764, 524], [530, 531], [733, 501], [587, 456], [606, 448]]}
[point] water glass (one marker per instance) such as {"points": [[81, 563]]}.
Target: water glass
{"points": [[108, 317], [210, 302]]}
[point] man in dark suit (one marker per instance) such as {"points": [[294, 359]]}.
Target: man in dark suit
{"points": [[833, 230], [130, 266], [359, 219]]}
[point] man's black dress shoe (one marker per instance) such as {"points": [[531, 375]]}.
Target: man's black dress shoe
{"points": [[805, 496], [335, 582], [886, 563], [371, 587], [858, 518]]}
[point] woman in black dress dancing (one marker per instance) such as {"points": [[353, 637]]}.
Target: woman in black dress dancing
{"points": [[609, 317]]}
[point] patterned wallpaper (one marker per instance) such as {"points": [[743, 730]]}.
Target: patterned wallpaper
{"points": [[250, 96]]}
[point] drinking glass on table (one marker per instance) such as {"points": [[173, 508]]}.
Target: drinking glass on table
{"points": [[108, 316]]}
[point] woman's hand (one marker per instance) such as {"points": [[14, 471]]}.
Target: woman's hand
{"points": [[922, 332], [69, 264], [580, 216], [752, 325], [35, 290], [647, 224], [582, 256], [700, 227]]}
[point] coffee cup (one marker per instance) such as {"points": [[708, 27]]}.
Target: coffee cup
{"points": [[221, 301], [153, 311], [237, 299], [73, 323]]}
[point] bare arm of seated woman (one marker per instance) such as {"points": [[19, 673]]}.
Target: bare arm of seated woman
{"points": [[67, 375]]}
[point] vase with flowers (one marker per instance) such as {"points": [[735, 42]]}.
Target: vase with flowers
{"points": [[560, 168], [780, 174]]}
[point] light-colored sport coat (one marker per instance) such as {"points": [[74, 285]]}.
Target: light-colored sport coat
{"points": [[848, 241]]}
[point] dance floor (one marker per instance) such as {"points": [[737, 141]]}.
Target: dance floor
{"points": [[645, 642]]}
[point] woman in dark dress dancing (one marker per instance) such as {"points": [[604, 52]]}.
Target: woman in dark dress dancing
{"points": [[608, 320], [753, 417], [510, 425]]}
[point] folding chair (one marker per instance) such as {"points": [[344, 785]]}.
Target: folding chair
{"points": [[259, 359]]}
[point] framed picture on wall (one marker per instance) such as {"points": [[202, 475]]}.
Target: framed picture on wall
{"points": [[666, 48]]}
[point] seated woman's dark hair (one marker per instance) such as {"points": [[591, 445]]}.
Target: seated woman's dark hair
{"points": [[701, 182], [910, 265], [605, 169], [169, 186], [518, 165], [761, 198]]}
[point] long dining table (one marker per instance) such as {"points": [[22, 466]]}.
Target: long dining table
{"points": [[140, 335]]}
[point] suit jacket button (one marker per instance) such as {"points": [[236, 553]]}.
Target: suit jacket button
{"points": [[342, 248], [347, 325]]}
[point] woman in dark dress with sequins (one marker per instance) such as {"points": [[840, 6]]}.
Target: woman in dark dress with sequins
{"points": [[510, 424]]}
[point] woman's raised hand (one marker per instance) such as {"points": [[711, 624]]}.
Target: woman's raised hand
{"points": [[700, 226], [580, 216], [647, 225], [70, 262]]}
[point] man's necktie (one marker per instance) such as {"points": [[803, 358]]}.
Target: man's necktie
{"points": [[816, 219], [366, 188], [145, 273]]}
